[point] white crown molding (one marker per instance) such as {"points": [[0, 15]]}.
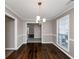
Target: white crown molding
{"points": [[11, 10], [6, 13], [69, 7], [22, 18]]}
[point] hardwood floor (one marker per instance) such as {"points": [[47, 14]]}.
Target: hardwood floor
{"points": [[8, 52], [38, 51]]}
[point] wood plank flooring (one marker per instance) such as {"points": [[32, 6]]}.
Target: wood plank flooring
{"points": [[38, 51]]}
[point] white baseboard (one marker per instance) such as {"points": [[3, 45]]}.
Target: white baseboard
{"points": [[24, 42], [19, 46], [63, 51], [10, 48], [47, 42], [14, 48]]}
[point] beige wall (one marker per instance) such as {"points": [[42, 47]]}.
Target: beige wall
{"points": [[9, 33], [71, 31]]}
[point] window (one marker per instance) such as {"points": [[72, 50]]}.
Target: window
{"points": [[63, 32]]}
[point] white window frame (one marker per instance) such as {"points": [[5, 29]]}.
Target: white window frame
{"points": [[68, 34]]}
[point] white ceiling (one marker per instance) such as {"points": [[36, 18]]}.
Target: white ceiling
{"points": [[28, 9]]}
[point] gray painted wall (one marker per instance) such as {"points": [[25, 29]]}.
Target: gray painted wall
{"points": [[9, 33], [47, 32], [25, 32], [19, 32]]}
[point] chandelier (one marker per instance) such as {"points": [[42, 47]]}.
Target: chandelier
{"points": [[38, 17]]}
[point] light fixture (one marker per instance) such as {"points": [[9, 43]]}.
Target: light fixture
{"points": [[38, 17], [36, 21], [44, 19]]}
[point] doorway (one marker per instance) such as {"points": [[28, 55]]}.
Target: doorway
{"points": [[33, 33]]}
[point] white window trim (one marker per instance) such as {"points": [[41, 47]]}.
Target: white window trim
{"points": [[68, 35]]}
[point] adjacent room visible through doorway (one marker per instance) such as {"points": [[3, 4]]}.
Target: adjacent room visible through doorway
{"points": [[34, 33]]}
